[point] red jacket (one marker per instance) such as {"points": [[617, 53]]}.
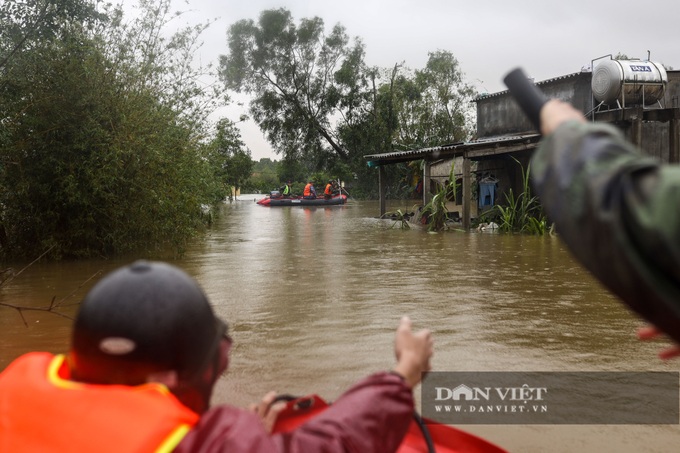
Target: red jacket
{"points": [[373, 416]]}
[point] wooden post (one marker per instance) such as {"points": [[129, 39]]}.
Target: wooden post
{"points": [[636, 131], [674, 141], [427, 196], [467, 193], [382, 188]]}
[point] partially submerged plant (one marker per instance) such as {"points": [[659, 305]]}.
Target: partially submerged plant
{"points": [[523, 213], [400, 218], [435, 211]]}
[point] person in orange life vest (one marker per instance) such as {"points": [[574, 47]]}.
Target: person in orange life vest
{"points": [[310, 191], [328, 191], [146, 352]]}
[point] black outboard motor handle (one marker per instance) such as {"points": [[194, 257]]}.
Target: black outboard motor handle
{"points": [[527, 95]]}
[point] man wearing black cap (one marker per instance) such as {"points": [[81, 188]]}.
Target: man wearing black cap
{"points": [[146, 352]]}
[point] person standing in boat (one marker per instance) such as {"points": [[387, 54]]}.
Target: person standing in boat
{"points": [[329, 190], [146, 352], [611, 204], [309, 192]]}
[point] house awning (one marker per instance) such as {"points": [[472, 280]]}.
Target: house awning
{"points": [[476, 150]]}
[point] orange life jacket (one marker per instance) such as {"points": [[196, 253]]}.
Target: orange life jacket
{"points": [[42, 410], [308, 190], [329, 189]]}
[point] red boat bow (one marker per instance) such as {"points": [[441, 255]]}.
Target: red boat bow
{"points": [[444, 438]]}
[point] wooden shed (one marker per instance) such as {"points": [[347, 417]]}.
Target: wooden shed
{"points": [[505, 136]]}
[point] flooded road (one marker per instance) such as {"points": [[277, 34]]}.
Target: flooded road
{"points": [[313, 296]]}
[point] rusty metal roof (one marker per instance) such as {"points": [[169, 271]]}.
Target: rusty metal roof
{"points": [[542, 82], [486, 147], [478, 149]]}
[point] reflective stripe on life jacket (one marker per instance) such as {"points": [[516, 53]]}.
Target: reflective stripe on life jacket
{"points": [[42, 410]]}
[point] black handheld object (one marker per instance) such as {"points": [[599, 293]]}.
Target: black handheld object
{"points": [[527, 95]]}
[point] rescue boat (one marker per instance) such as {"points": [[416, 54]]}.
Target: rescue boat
{"points": [[273, 200]]}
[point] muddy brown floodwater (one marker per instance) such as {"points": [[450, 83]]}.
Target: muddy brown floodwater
{"points": [[313, 296]]}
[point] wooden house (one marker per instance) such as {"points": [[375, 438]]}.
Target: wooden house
{"points": [[492, 163]]}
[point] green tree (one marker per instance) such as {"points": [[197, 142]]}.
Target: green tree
{"points": [[229, 156], [434, 105], [265, 176], [621, 56], [147, 56], [100, 155], [24, 23], [293, 169], [372, 132], [323, 109], [409, 110], [301, 79]]}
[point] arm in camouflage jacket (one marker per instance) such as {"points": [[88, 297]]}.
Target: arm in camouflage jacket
{"points": [[618, 212]]}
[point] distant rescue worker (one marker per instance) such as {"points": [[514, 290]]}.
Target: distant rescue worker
{"points": [[286, 190], [310, 191], [329, 190]]}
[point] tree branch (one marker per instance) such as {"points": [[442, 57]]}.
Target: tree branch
{"points": [[53, 305], [27, 266]]}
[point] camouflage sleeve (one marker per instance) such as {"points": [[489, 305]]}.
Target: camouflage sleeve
{"points": [[618, 212]]}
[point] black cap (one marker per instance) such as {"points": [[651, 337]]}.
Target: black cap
{"points": [[148, 316]]}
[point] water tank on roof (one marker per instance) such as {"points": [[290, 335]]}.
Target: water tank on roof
{"points": [[630, 82]]}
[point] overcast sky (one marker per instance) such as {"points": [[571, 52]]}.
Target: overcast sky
{"points": [[488, 37]]}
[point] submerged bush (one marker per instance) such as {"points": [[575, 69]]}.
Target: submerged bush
{"points": [[522, 213]]}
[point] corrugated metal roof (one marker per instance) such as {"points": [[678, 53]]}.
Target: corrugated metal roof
{"points": [[542, 82], [451, 150], [414, 154], [437, 152]]}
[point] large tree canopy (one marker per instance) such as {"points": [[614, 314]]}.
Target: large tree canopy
{"points": [[319, 104], [409, 110], [433, 105], [100, 138], [302, 80], [24, 23]]}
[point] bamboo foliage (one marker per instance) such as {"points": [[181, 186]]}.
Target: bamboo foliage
{"points": [[100, 154]]}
